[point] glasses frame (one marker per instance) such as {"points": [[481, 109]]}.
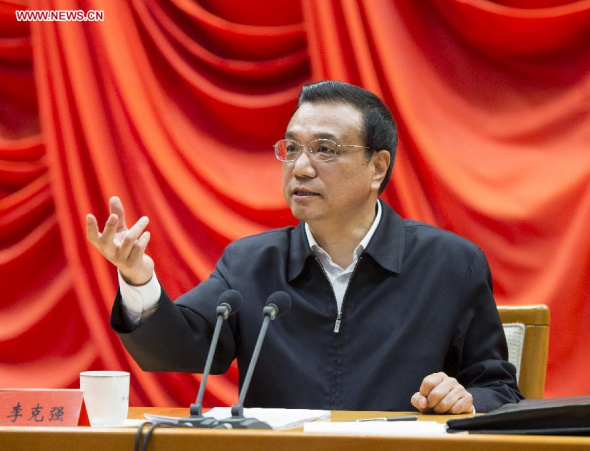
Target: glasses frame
{"points": [[310, 151]]}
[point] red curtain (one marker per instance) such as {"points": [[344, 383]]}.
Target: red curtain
{"points": [[173, 105]]}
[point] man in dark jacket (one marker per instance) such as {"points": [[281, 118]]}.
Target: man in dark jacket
{"points": [[387, 313]]}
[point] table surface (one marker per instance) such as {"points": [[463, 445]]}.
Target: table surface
{"points": [[164, 439]]}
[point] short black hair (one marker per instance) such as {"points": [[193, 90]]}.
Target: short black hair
{"points": [[379, 129]]}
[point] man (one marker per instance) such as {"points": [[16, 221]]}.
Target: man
{"points": [[386, 313]]}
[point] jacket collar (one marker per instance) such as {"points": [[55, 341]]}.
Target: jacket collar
{"points": [[386, 246]]}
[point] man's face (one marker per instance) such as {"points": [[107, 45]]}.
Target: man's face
{"points": [[332, 191]]}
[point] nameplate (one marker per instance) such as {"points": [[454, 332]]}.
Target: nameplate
{"points": [[40, 407]]}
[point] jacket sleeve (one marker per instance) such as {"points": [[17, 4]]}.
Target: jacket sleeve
{"points": [[479, 353], [177, 336]]}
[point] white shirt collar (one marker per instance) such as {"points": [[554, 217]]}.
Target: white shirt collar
{"points": [[319, 252]]}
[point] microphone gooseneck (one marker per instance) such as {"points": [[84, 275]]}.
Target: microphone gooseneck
{"points": [[229, 303], [277, 304]]}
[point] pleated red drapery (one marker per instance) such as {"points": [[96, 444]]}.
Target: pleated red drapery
{"points": [[174, 106]]}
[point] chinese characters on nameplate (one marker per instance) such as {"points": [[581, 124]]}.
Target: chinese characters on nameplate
{"points": [[40, 407]]}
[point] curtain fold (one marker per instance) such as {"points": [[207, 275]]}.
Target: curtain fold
{"points": [[173, 105]]}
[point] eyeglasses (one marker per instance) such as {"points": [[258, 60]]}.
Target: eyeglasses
{"points": [[319, 149]]}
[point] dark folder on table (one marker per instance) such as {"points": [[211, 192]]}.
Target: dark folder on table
{"points": [[558, 416]]}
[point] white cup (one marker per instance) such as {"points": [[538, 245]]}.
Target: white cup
{"points": [[106, 396]]}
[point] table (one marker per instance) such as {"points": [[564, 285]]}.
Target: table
{"points": [[168, 439]]}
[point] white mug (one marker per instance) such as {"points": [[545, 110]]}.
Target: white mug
{"points": [[106, 396]]}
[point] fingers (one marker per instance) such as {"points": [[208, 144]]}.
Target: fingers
{"points": [[129, 240], [110, 228], [430, 382], [124, 248], [420, 399], [92, 229], [440, 393], [419, 402], [115, 223], [115, 245], [116, 207], [457, 401], [138, 250]]}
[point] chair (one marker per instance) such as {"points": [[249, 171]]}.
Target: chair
{"points": [[527, 333]]}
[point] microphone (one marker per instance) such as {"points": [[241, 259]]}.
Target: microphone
{"points": [[277, 304], [229, 303]]}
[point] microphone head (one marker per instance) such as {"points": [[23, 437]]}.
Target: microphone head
{"points": [[281, 300], [233, 299]]}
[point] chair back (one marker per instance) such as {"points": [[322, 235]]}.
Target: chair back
{"points": [[527, 334]]}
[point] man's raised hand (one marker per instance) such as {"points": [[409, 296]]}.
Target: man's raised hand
{"points": [[123, 247]]}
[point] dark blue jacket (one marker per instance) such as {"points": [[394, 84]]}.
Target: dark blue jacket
{"points": [[419, 301]]}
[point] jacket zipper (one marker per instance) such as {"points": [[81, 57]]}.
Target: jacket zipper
{"points": [[338, 321], [339, 317], [331, 288]]}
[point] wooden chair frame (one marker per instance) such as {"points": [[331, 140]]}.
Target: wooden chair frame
{"points": [[536, 345]]}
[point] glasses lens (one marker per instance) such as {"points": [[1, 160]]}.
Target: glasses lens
{"points": [[287, 149], [323, 149]]}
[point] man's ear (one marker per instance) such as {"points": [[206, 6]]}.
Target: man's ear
{"points": [[381, 160]]}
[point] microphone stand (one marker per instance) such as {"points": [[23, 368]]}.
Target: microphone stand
{"points": [[237, 419], [196, 418]]}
